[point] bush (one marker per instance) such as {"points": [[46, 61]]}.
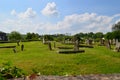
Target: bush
{"points": [[7, 71]]}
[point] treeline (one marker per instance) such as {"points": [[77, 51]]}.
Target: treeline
{"points": [[15, 36], [114, 34]]}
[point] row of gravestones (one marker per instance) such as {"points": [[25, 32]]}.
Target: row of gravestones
{"points": [[103, 42], [87, 42], [76, 45], [108, 44]]}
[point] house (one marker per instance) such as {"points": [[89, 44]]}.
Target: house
{"points": [[3, 36]]}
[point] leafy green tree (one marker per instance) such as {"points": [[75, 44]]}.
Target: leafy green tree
{"points": [[109, 35], [90, 35], [99, 35], [116, 35], [28, 36], [59, 37], [116, 27], [48, 37], [32, 36], [14, 36]]}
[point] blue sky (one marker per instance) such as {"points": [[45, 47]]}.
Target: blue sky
{"points": [[58, 16]]}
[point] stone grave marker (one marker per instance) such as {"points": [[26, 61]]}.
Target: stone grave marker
{"points": [[43, 40], [108, 45], [14, 50], [54, 44], [117, 47], [22, 47], [113, 41], [49, 45], [76, 45], [102, 41]]}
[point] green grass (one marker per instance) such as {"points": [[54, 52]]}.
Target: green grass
{"points": [[97, 60]]}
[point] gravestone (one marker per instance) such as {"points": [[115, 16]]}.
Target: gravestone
{"points": [[49, 45], [117, 47], [14, 50], [76, 45], [110, 42], [22, 47], [113, 42], [102, 41], [43, 40], [116, 41], [18, 43], [89, 41], [108, 45], [86, 41], [54, 44], [75, 50], [93, 42]]}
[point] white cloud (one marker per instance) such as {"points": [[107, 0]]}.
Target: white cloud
{"points": [[29, 13], [50, 10], [13, 12], [87, 22]]}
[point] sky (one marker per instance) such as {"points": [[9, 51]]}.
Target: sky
{"points": [[58, 16]]}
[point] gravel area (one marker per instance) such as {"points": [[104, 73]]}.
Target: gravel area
{"points": [[80, 77]]}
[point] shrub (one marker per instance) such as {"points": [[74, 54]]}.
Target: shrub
{"points": [[7, 71]]}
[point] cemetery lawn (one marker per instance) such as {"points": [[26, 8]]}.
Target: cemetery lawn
{"points": [[97, 60]]}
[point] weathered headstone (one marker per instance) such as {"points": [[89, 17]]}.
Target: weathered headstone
{"points": [[22, 47], [43, 40], [102, 41], [110, 42], [89, 41], [76, 45], [113, 42], [117, 47], [54, 44], [14, 50], [116, 41], [108, 45], [49, 45], [18, 43]]}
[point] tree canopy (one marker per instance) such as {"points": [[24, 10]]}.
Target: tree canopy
{"points": [[116, 27], [32, 36], [14, 36]]}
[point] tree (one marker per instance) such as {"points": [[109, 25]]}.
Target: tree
{"points": [[48, 37], [109, 35], [116, 31], [32, 36], [116, 27], [99, 35], [28, 36], [90, 35], [116, 35], [14, 36]]}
